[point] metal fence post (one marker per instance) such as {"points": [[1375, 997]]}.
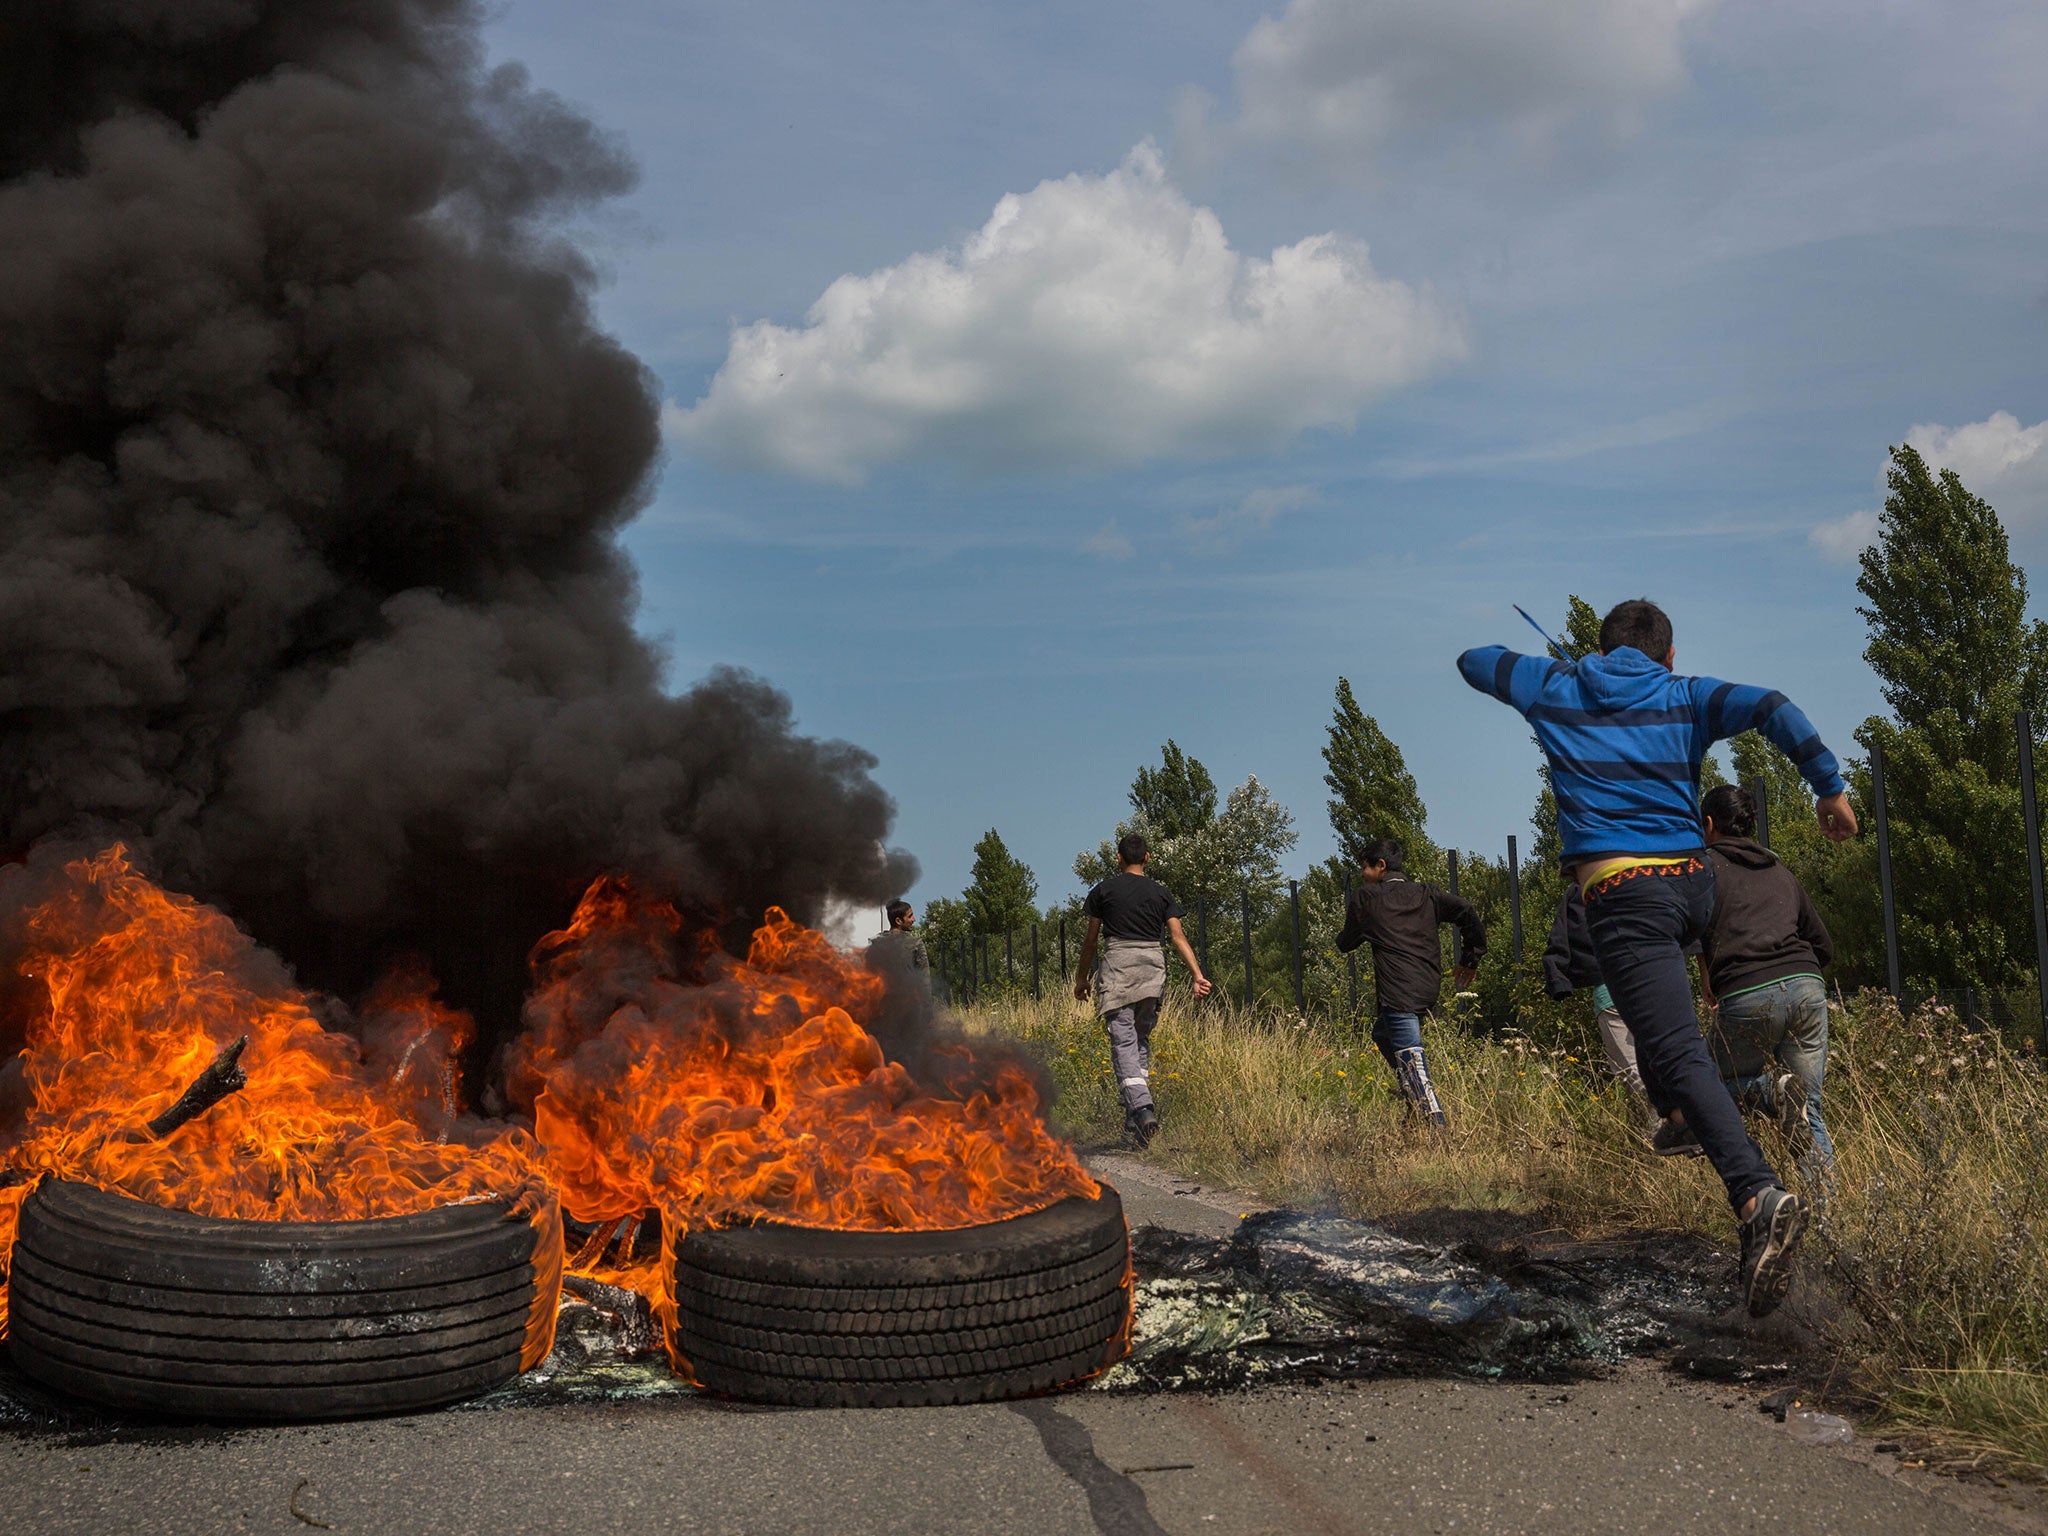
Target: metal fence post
{"points": [[1351, 957], [1884, 873], [1009, 959], [1457, 938], [1034, 962], [1757, 794], [1063, 946], [1245, 898], [1294, 901], [2030, 809], [1514, 903]]}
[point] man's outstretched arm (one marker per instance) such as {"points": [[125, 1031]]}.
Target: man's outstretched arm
{"points": [[1729, 709], [1509, 676]]}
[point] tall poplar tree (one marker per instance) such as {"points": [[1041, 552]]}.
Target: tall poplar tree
{"points": [[1372, 793], [1955, 657], [1003, 895]]}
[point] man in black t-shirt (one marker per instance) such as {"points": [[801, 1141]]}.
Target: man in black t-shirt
{"points": [[1135, 914]]}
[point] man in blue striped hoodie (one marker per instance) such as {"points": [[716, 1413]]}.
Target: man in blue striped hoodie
{"points": [[1625, 737]]}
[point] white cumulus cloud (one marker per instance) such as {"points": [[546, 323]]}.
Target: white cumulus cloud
{"points": [[1350, 76], [1092, 321], [1844, 538], [1996, 458], [1257, 511]]}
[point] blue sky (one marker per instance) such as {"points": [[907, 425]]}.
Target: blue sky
{"points": [[1049, 380]]}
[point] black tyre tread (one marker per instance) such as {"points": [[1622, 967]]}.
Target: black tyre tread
{"points": [[805, 1317], [253, 1304], [1104, 1314], [997, 1356], [127, 1239], [930, 1392], [160, 1310], [306, 1400], [70, 1354], [1111, 1259], [47, 1315], [1062, 1233]]}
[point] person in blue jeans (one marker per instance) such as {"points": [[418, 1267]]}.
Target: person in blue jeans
{"points": [[1625, 736], [1762, 957]]}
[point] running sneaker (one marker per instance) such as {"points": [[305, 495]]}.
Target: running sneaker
{"points": [[1770, 1235], [1674, 1138], [1143, 1124], [1789, 1091]]}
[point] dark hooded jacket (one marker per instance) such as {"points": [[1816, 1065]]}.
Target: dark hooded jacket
{"points": [[1568, 959], [1400, 917], [1764, 928]]}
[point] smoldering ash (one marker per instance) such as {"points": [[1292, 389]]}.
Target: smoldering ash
{"points": [[311, 466]]}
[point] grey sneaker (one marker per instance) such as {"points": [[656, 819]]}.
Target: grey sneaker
{"points": [[1790, 1093], [1769, 1238], [1674, 1138]]}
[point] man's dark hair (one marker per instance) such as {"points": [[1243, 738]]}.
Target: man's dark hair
{"points": [[1381, 850], [1130, 849], [1639, 624], [1733, 809], [897, 910]]}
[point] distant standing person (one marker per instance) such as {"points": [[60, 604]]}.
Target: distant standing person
{"points": [[1625, 736], [1762, 955], [1132, 914], [899, 949], [1400, 917]]}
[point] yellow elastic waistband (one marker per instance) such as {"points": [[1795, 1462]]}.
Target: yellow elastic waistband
{"points": [[1607, 873]]}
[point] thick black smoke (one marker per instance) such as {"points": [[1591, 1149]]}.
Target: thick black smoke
{"points": [[311, 462]]}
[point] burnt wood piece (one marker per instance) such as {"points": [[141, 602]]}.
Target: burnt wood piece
{"points": [[820, 1319], [220, 1079]]}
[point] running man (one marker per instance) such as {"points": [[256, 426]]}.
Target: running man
{"points": [[1625, 737], [1400, 917], [1138, 914], [1762, 955]]}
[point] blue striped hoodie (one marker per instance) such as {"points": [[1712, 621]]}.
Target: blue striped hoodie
{"points": [[1625, 738]]}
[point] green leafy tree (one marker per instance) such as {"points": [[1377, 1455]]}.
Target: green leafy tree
{"points": [[1176, 799], [1955, 657], [1003, 896], [1372, 793]]}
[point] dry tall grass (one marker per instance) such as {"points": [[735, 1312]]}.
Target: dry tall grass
{"points": [[1934, 1229]]}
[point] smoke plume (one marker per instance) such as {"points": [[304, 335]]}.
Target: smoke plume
{"points": [[311, 466]]}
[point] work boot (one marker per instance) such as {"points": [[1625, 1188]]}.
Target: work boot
{"points": [[1143, 1124], [1422, 1099], [1770, 1234], [1789, 1092], [1674, 1138]]}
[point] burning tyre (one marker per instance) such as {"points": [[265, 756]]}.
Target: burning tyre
{"points": [[812, 1318], [141, 1307]]}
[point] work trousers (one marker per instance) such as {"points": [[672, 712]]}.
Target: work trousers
{"points": [[1640, 926], [1130, 1049]]}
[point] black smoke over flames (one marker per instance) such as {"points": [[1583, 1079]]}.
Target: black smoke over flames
{"points": [[311, 463]]}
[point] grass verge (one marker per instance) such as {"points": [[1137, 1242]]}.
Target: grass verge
{"points": [[1933, 1233]]}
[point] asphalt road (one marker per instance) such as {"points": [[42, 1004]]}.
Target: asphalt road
{"points": [[1639, 1451]]}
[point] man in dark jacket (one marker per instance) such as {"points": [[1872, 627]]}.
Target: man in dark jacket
{"points": [[1762, 956], [1399, 917]]}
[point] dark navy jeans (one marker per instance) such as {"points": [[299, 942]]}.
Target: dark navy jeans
{"points": [[1394, 1032], [1640, 928]]}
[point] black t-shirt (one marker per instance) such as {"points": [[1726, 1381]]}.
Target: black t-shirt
{"points": [[1132, 907]]}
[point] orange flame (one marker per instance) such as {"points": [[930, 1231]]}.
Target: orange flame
{"points": [[756, 1090], [144, 987]]}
